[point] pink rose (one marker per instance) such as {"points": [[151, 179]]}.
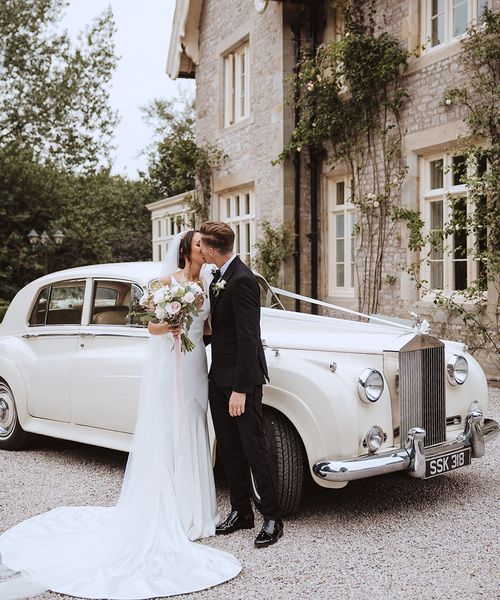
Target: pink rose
{"points": [[173, 308]]}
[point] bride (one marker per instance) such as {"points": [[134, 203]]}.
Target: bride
{"points": [[140, 548]]}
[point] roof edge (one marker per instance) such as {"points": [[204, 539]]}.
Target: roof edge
{"points": [[185, 35]]}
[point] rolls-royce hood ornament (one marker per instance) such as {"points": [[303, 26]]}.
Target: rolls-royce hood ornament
{"points": [[420, 325]]}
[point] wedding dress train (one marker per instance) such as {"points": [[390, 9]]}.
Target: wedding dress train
{"points": [[140, 548]]}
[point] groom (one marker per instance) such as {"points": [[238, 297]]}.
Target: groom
{"points": [[236, 377]]}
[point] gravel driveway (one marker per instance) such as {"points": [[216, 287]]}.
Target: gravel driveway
{"points": [[384, 538]]}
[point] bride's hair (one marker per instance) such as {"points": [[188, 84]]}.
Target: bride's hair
{"points": [[185, 248]]}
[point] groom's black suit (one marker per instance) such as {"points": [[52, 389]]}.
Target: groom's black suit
{"points": [[239, 364]]}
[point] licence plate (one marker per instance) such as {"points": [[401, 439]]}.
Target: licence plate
{"points": [[437, 465]]}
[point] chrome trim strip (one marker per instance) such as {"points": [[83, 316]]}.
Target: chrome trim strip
{"points": [[117, 334], [50, 334], [412, 457]]}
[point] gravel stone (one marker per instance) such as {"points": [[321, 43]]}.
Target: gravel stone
{"points": [[383, 538]]}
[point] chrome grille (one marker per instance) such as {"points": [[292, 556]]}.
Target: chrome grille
{"points": [[422, 388]]}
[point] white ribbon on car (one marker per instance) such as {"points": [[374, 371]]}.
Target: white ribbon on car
{"points": [[420, 326]]}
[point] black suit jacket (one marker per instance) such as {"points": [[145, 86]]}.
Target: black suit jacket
{"points": [[238, 359]]}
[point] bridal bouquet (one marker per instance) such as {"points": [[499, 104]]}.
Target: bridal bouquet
{"points": [[176, 305]]}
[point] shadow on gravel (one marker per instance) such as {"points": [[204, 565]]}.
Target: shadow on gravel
{"points": [[389, 494], [76, 452]]}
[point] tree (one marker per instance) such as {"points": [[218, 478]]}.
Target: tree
{"points": [[54, 98], [177, 163], [172, 154]]}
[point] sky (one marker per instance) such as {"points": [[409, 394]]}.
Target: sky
{"points": [[142, 41]]}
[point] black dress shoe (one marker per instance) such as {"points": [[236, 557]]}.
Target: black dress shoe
{"points": [[235, 521], [269, 534]]}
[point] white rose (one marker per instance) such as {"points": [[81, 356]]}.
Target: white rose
{"points": [[189, 297], [173, 308]]}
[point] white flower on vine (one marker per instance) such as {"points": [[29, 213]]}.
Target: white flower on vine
{"points": [[310, 86], [447, 101], [319, 78], [371, 196], [376, 204]]}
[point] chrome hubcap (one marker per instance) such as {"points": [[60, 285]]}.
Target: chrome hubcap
{"points": [[7, 412]]}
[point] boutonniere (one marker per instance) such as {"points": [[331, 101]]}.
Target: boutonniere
{"points": [[218, 287]]}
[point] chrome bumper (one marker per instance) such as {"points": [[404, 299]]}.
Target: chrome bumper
{"points": [[412, 457]]}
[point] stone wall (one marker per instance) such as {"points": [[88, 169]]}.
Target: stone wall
{"points": [[252, 145]]}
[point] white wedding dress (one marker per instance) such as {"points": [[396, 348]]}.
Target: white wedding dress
{"points": [[140, 548]]}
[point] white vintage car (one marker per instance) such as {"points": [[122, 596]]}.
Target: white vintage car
{"points": [[347, 399]]}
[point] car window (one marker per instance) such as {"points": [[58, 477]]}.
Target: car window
{"points": [[59, 304], [39, 312], [268, 299], [113, 302]]}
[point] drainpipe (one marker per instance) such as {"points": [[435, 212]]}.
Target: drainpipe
{"points": [[297, 34], [314, 167]]}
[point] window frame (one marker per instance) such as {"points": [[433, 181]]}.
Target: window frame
{"points": [[233, 112], [448, 7], [239, 219], [50, 286], [347, 209], [446, 193]]}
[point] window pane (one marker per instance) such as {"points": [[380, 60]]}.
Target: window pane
{"points": [[437, 275], [248, 241], [237, 205], [460, 235], [459, 169], [228, 208], [437, 22], [242, 84], [340, 197], [340, 251], [436, 230], [159, 251], [482, 5], [112, 303], [40, 309], [66, 303], [459, 17], [247, 204], [237, 239], [340, 275], [460, 275], [159, 228], [339, 226], [436, 167], [437, 214]]}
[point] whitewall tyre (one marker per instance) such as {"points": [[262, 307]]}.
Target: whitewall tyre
{"points": [[12, 436]]}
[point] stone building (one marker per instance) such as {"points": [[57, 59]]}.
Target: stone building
{"points": [[242, 54]]}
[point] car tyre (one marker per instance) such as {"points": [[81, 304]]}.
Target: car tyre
{"points": [[287, 459], [12, 435]]}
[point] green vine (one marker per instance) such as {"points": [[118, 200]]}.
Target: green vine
{"points": [[352, 92], [478, 306], [275, 245]]}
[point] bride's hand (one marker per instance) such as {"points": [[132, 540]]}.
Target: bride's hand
{"points": [[163, 329]]}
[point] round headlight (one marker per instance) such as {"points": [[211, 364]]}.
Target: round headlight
{"points": [[374, 438], [458, 369], [370, 385]]}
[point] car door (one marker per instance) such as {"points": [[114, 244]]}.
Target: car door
{"points": [[51, 340], [106, 378]]}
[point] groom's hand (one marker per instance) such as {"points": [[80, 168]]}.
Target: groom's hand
{"points": [[237, 404]]}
